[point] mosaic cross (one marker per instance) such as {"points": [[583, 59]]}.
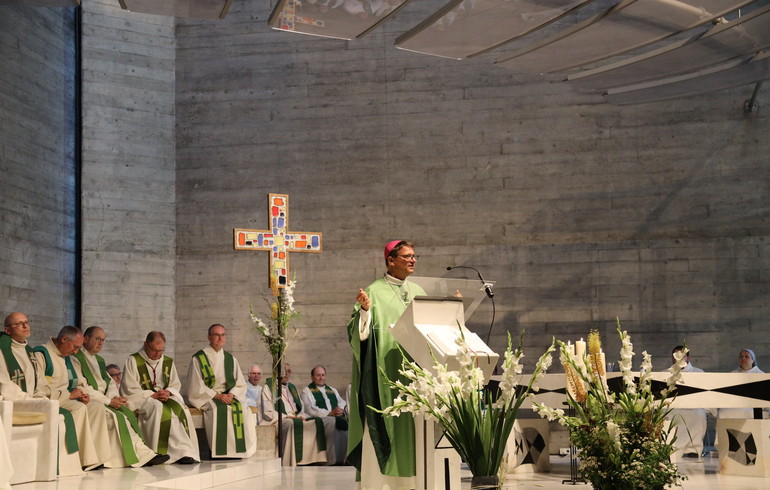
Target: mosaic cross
{"points": [[277, 240]]}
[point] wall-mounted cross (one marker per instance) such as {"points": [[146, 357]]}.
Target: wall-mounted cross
{"points": [[277, 240]]}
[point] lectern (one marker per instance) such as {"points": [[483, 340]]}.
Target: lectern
{"points": [[428, 328]]}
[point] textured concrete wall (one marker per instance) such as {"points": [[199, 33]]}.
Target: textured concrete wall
{"points": [[128, 175], [37, 166], [582, 212]]}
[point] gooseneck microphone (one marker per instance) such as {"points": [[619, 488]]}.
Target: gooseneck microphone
{"points": [[487, 286], [487, 289]]}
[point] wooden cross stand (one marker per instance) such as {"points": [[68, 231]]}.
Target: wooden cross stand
{"points": [[277, 239]]}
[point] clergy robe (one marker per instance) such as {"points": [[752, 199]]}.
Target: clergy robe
{"points": [[128, 448], [381, 448], [89, 419], [253, 395], [690, 424], [173, 434], [26, 382], [318, 401], [222, 422], [305, 446]]}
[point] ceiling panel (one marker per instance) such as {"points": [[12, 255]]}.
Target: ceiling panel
{"points": [[741, 37], [732, 74], [341, 19], [629, 25], [39, 3], [464, 28], [196, 9]]}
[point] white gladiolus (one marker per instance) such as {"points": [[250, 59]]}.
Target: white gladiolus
{"points": [[625, 363], [614, 432]]}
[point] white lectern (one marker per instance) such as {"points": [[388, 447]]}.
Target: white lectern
{"points": [[432, 324]]}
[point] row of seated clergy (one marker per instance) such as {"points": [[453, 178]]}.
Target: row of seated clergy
{"points": [[48, 372], [314, 429]]}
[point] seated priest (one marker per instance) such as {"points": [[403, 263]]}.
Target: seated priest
{"points": [[54, 358], [20, 379], [151, 386], [217, 387], [115, 373], [322, 401], [303, 439], [127, 444], [254, 389]]}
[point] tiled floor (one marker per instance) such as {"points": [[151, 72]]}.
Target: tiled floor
{"points": [[702, 476]]}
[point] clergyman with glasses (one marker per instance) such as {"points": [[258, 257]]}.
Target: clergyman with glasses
{"points": [[151, 385], [128, 448], [381, 448]]}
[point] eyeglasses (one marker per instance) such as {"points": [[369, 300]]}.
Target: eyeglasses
{"points": [[26, 322], [99, 339], [409, 257]]}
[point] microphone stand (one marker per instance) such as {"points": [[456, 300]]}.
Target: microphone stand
{"points": [[487, 289]]}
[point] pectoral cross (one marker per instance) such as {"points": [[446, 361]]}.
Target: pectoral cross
{"points": [[277, 240]]}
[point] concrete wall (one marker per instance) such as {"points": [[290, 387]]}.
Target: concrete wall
{"points": [[37, 167], [129, 234], [580, 211]]}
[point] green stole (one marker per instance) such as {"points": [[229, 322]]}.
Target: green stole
{"points": [[169, 407], [209, 379], [340, 422], [375, 360], [14, 369], [123, 415], [70, 431], [299, 429]]}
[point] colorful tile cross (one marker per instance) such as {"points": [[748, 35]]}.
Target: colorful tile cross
{"points": [[277, 240]]}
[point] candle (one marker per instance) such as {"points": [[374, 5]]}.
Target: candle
{"points": [[580, 348], [604, 359], [570, 348]]}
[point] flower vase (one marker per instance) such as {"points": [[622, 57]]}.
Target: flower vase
{"points": [[485, 482]]}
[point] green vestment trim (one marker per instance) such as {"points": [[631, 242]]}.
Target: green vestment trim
{"points": [[70, 432], [239, 431], [123, 415], [47, 356], [340, 422], [375, 361], [14, 369], [169, 407], [299, 431], [72, 377]]}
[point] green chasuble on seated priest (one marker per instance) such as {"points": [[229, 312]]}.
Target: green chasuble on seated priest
{"points": [[298, 422], [392, 437], [123, 416]]}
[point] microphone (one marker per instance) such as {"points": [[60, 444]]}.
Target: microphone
{"points": [[487, 286]]}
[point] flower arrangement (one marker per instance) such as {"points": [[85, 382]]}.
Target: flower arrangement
{"points": [[274, 332], [623, 439], [476, 425]]}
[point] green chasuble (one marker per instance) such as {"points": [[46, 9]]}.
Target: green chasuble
{"points": [[299, 432], [123, 416], [210, 380], [392, 437]]}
